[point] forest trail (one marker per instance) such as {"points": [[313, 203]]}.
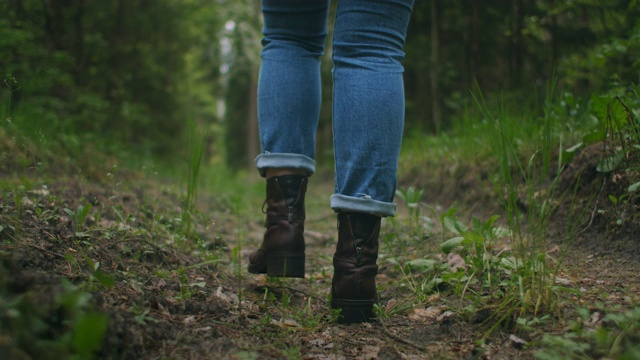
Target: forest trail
{"points": [[167, 297]]}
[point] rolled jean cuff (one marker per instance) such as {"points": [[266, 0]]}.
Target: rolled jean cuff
{"points": [[284, 161], [363, 204]]}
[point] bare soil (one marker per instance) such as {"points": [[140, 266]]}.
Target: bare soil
{"points": [[167, 297]]}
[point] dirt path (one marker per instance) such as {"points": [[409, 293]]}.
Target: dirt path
{"points": [[167, 297]]}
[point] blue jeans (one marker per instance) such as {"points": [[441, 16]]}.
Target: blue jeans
{"points": [[368, 94]]}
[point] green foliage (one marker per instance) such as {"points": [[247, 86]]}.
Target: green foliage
{"points": [[412, 197], [86, 70], [76, 332], [79, 217], [196, 151], [591, 46], [621, 123], [504, 271], [615, 337]]}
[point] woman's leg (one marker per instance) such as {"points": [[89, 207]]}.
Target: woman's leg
{"points": [[289, 93], [368, 117], [368, 103], [288, 111]]}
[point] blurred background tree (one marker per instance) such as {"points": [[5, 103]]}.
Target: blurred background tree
{"points": [[131, 74]]}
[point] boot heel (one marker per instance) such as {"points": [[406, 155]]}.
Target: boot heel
{"points": [[354, 311], [285, 265]]}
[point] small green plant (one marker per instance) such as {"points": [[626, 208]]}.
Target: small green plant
{"points": [[113, 174], [618, 203], [187, 288], [485, 264], [621, 133], [196, 150], [103, 279], [412, 197], [125, 219], [142, 317], [11, 83], [78, 217]]}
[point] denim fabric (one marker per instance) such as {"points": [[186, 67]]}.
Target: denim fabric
{"points": [[368, 94]]}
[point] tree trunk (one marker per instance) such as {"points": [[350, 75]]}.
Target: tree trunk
{"points": [[474, 45], [79, 43], [435, 48], [554, 38], [516, 44]]}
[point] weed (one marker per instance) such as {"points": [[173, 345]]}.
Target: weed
{"points": [[142, 317], [10, 82], [412, 197], [476, 245], [621, 131], [113, 174], [292, 352], [186, 288], [505, 271], [618, 203], [532, 271], [103, 279], [125, 219], [196, 150], [78, 217]]}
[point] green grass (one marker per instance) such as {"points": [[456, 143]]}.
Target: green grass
{"points": [[507, 269]]}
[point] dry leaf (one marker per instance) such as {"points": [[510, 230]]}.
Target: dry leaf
{"points": [[317, 342], [445, 316], [286, 323], [189, 320], [430, 313], [455, 261], [516, 342]]}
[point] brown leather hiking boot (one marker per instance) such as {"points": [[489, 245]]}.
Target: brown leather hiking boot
{"points": [[282, 251], [353, 289]]}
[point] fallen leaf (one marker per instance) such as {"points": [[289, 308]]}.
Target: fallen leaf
{"points": [[390, 304], [286, 323], [317, 342], [516, 342], [554, 249], [189, 320], [594, 319], [163, 310], [430, 313], [232, 298], [455, 262], [445, 316]]}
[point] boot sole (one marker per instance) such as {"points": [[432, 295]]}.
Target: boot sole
{"points": [[354, 311], [282, 264]]}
